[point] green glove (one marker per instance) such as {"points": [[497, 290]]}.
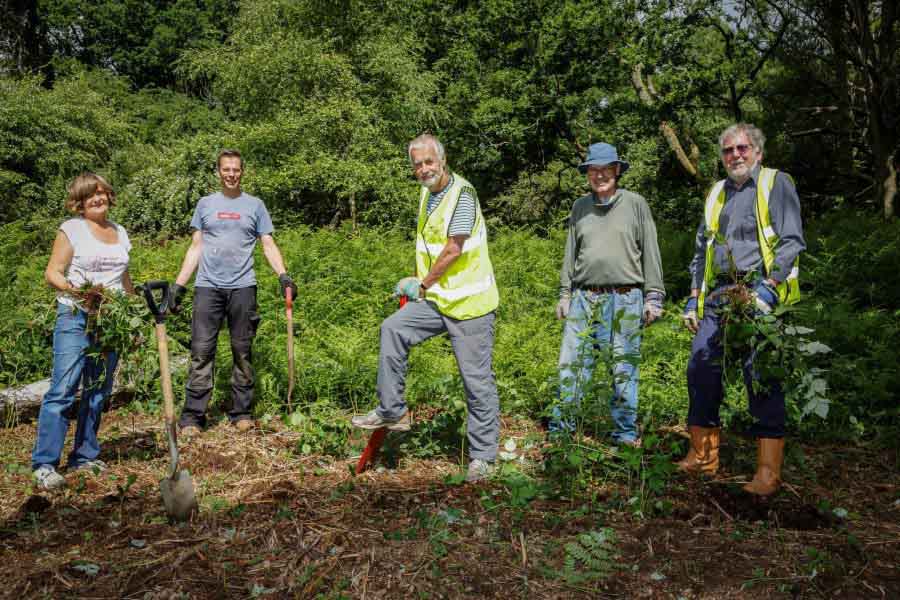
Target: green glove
{"points": [[409, 287]]}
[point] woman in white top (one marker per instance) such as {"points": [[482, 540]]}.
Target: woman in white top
{"points": [[88, 249]]}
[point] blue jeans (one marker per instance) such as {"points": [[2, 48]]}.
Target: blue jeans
{"points": [[72, 366], [608, 323]]}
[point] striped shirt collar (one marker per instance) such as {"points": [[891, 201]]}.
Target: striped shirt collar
{"points": [[443, 192]]}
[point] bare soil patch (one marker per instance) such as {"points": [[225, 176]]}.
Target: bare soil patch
{"points": [[277, 524]]}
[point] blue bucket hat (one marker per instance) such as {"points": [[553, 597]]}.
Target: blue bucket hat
{"points": [[601, 154]]}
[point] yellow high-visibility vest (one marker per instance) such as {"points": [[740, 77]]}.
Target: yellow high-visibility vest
{"points": [[789, 288], [467, 289]]}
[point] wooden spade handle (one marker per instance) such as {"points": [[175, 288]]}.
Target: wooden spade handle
{"points": [[162, 344]]}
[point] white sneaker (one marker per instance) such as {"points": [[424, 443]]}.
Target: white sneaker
{"points": [[478, 470], [48, 479], [372, 420], [95, 465]]}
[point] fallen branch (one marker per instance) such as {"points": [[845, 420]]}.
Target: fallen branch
{"points": [[22, 404]]}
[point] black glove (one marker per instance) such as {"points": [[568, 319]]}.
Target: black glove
{"points": [[176, 295], [286, 282]]}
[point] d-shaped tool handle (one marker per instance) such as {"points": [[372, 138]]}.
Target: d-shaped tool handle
{"points": [[157, 309]]}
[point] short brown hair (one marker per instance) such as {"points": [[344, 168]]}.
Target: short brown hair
{"points": [[83, 187], [228, 152]]}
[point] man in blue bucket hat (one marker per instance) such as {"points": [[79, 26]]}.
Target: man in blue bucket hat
{"points": [[610, 286]]}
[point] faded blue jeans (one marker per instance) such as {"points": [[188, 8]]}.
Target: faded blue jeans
{"points": [[72, 366], [608, 323]]}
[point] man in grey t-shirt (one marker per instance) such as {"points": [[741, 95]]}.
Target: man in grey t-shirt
{"points": [[226, 226]]}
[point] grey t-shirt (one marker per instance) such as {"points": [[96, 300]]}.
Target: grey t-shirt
{"points": [[230, 228]]}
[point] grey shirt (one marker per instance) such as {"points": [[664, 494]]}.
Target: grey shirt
{"points": [[611, 244], [737, 223], [230, 228]]}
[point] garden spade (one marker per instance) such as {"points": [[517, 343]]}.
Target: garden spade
{"points": [[289, 315], [177, 489], [376, 440]]}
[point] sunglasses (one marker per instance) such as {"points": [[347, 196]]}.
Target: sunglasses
{"points": [[742, 149]]}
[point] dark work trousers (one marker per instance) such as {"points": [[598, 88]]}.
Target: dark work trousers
{"points": [[211, 307], [706, 390]]}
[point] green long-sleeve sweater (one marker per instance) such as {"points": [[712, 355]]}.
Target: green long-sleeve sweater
{"points": [[613, 244]]}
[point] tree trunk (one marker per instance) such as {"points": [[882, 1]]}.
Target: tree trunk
{"points": [[352, 201], [843, 118], [22, 404], [890, 187], [876, 49]]}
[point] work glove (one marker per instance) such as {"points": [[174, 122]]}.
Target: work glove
{"points": [[562, 307], [176, 295], [286, 282], [653, 306], [689, 316], [765, 297], [409, 287]]}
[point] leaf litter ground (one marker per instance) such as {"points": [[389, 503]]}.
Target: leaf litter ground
{"points": [[277, 524]]}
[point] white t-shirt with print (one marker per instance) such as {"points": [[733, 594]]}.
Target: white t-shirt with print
{"points": [[94, 262]]}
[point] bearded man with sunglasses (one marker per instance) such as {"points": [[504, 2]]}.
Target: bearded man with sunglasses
{"points": [[751, 235]]}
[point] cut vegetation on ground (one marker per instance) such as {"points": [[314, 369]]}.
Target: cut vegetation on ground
{"points": [[275, 522]]}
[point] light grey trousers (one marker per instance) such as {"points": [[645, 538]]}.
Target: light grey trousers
{"points": [[473, 346]]}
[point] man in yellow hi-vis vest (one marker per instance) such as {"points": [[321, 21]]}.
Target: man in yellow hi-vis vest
{"points": [[454, 292], [751, 230]]}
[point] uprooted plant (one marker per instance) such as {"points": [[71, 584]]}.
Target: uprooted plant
{"points": [[781, 352]]}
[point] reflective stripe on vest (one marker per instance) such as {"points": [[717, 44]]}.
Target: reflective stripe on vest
{"points": [[789, 288], [467, 289]]}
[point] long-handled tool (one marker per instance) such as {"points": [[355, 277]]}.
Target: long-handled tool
{"points": [[289, 315], [376, 440], [177, 488]]}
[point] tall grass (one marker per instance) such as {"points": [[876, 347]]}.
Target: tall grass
{"points": [[345, 279]]}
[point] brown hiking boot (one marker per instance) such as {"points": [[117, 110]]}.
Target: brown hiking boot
{"points": [[769, 456], [244, 425], [703, 455]]}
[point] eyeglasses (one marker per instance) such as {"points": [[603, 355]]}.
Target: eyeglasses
{"points": [[741, 149]]}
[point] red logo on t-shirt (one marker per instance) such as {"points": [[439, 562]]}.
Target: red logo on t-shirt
{"points": [[228, 216]]}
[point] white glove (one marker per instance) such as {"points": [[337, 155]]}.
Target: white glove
{"points": [[689, 316], [653, 308], [562, 308]]}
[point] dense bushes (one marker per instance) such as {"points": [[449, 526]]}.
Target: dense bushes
{"points": [[345, 279], [49, 136]]}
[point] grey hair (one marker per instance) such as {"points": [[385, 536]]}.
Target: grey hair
{"points": [[756, 136], [426, 139]]}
